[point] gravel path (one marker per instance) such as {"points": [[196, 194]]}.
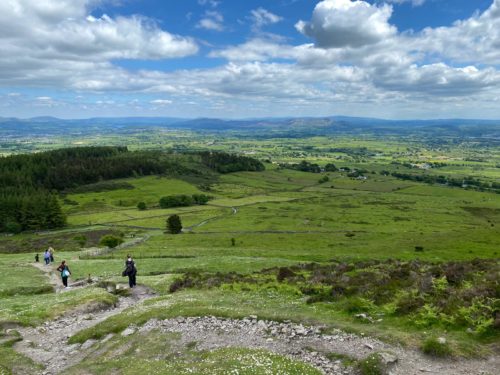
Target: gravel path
{"points": [[47, 344], [308, 344]]}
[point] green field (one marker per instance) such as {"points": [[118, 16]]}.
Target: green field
{"points": [[260, 222]]}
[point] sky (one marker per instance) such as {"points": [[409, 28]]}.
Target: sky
{"points": [[395, 59]]}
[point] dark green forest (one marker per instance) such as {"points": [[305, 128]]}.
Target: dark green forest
{"points": [[30, 183]]}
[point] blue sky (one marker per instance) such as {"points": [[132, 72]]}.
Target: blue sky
{"points": [[234, 59]]}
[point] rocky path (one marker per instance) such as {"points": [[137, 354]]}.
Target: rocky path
{"points": [[52, 274], [310, 345], [48, 343]]}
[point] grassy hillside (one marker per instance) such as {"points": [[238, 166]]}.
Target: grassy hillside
{"points": [[284, 245]]}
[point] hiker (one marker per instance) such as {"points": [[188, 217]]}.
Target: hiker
{"points": [[51, 252], [37, 258], [46, 257], [130, 271], [65, 272]]}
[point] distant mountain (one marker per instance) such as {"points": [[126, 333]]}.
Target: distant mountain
{"points": [[263, 127]]}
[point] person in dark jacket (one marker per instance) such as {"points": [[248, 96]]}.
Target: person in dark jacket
{"points": [[130, 271], [65, 272]]}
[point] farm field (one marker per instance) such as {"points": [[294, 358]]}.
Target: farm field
{"points": [[281, 244]]}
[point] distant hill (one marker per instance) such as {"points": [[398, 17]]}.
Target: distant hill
{"points": [[299, 126]]}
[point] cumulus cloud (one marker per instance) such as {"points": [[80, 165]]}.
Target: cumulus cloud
{"points": [[212, 20], [161, 102], [476, 39], [342, 23], [356, 61], [58, 39], [415, 3], [262, 17]]}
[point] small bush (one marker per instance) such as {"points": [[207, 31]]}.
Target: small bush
{"points": [[358, 304], [141, 206], [13, 227], [110, 240], [419, 249], [81, 239], [409, 302], [324, 179], [371, 365], [436, 347]]}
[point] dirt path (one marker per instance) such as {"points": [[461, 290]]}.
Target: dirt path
{"points": [[234, 211], [48, 343], [52, 274]]}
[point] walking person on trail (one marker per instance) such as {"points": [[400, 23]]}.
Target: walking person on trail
{"points": [[46, 257], [130, 271], [51, 252], [65, 273]]}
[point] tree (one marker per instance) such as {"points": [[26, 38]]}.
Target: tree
{"points": [[141, 206], [324, 179], [174, 224]]}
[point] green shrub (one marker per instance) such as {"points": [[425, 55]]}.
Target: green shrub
{"points": [[427, 316], [408, 302], [13, 227], [440, 285], [324, 179], [358, 304], [110, 240], [436, 347], [81, 239], [141, 206], [371, 365], [479, 315]]}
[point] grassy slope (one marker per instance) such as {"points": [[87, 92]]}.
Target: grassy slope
{"points": [[387, 217]]}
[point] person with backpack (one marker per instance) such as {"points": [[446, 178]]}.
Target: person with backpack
{"points": [[65, 273], [130, 271]]}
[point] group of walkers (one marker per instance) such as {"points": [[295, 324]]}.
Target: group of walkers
{"points": [[48, 256]]}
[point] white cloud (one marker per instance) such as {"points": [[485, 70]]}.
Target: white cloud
{"points": [[212, 20], [358, 64], [342, 23], [476, 39], [212, 3], [256, 50], [59, 39], [161, 102], [414, 3], [262, 17]]}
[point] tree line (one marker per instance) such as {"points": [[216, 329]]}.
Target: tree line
{"points": [[30, 183], [470, 182], [183, 200], [223, 162]]}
